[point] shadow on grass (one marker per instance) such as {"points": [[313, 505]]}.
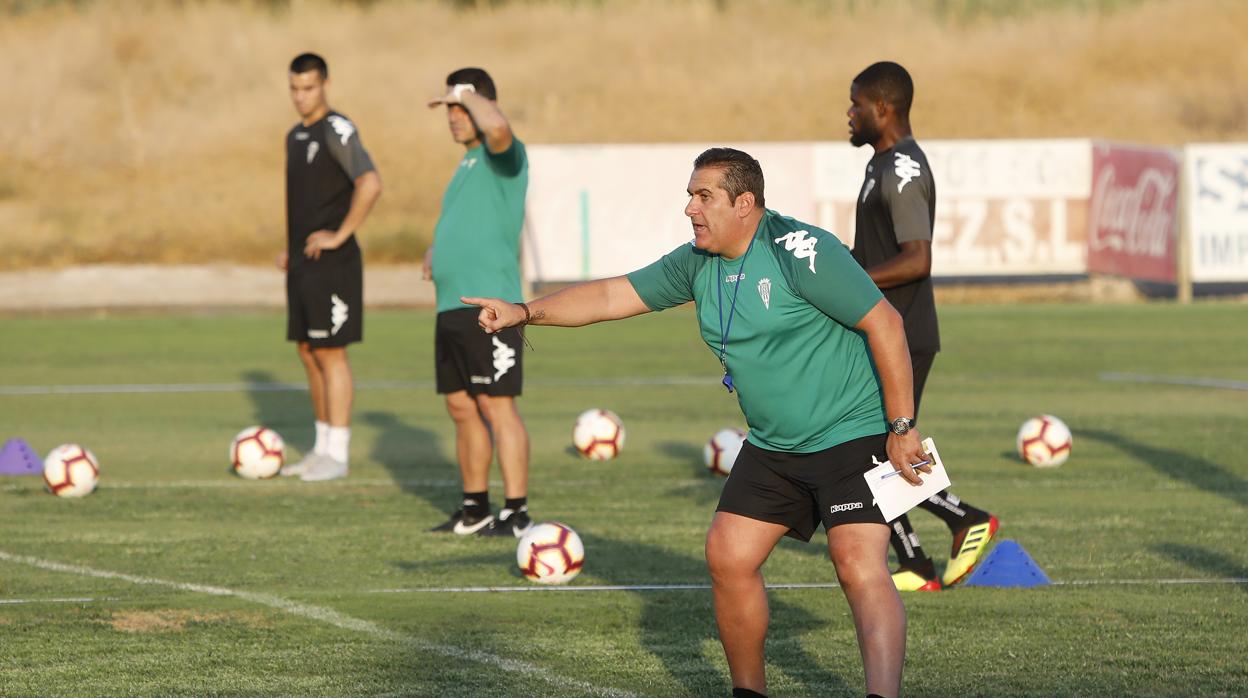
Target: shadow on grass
{"points": [[1209, 561], [1196, 471], [288, 412]]}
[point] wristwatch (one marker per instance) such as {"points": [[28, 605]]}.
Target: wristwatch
{"points": [[901, 425]]}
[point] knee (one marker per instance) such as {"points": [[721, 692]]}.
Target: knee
{"points": [[856, 569], [461, 408], [725, 560], [305, 354], [496, 410], [330, 356]]}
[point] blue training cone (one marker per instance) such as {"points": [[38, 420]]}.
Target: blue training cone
{"points": [[18, 458], [1008, 565]]}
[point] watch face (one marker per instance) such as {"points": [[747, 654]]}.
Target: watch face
{"points": [[900, 426]]}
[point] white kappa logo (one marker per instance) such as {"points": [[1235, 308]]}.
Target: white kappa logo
{"points": [[907, 168], [837, 508], [504, 358], [337, 313], [343, 127], [801, 246], [313, 148], [764, 292]]}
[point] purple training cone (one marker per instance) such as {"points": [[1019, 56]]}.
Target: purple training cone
{"points": [[18, 458]]}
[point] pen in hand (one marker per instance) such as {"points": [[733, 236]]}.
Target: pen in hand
{"points": [[885, 476]]}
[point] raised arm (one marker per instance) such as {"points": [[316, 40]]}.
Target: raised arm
{"points": [[581, 304], [489, 119], [886, 335]]}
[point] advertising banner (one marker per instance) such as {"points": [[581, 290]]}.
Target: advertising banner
{"points": [[1217, 208], [603, 210], [1003, 208], [1132, 215]]}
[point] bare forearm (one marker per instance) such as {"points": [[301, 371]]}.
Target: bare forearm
{"points": [[886, 335], [489, 120], [913, 263], [367, 191], [587, 303]]}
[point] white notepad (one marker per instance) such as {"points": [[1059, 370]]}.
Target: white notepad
{"points": [[894, 496]]}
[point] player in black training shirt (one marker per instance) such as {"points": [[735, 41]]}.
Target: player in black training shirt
{"points": [[331, 185], [893, 242]]}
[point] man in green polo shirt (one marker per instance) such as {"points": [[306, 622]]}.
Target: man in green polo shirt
{"points": [[476, 251], [819, 364]]}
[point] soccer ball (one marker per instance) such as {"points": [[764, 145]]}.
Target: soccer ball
{"points": [[1044, 441], [721, 451], [257, 453], [550, 553], [598, 434], [71, 471]]}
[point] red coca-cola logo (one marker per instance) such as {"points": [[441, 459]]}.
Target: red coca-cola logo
{"points": [[1135, 218]]}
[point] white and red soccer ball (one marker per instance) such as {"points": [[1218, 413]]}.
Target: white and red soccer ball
{"points": [[1044, 441], [598, 434], [257, 453], [550, 553], [721, 451], [71, 471]]}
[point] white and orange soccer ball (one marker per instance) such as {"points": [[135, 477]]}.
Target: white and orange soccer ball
{"points": [[550, 553], [71, 471], [721, 451], [1044, 441], [257, 453], [598, 434]]}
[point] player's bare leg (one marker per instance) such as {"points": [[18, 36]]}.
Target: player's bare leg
{"points": [[736, 548], [860, 553], [316, 382], [511, 440], [339, 384], [473, 447], [339, 388]]}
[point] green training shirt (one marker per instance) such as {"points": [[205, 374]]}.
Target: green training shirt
{"points": [[804, 377], [476, 244]]}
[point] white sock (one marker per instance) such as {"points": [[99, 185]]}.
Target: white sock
{"points": [[322, 438], [338, 441]]}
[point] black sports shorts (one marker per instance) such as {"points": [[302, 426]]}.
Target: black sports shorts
{"points": [[466, 358], [801, 490], [325, 302]]}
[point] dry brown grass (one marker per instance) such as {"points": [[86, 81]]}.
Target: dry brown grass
{"points": [[175, 620], [146, 131]]}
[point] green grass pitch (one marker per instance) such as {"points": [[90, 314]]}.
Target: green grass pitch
{"points": [[178, 579]]}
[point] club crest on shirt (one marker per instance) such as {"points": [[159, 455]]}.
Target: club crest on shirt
{"points": [[907, 168], [313, 148], [866, 189], [764, 292]]}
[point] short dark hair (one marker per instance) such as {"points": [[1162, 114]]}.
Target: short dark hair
{"points": [[305, 62], [477, 77], [889, 82], [741, 173]]}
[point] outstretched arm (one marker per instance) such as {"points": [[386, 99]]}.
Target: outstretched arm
{"points": [[582, 304], [886, 336]]}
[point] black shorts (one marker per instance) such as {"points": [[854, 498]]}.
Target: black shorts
{"points": [[325, 303], [466, 358], [800, 490]]}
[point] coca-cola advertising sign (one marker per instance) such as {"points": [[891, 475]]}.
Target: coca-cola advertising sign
{"points": [[1132, 212]]}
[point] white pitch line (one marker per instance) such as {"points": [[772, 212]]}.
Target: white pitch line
{"points": [[331, 617], [704, 587], [10, 602], [1175, 380], [166, 388]]}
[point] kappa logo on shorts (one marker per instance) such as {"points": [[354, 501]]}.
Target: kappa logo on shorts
{"points": [[838, 508], [504, 358], [337, 312]]}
